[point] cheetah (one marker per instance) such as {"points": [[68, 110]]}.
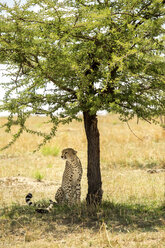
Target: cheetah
{"points": [[70, 191]]}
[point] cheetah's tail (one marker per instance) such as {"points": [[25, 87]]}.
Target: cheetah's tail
{"points": [[39, 209], [28, 199], [46, 210]]}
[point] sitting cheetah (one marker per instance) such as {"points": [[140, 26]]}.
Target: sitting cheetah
{"points": [[70, 191]]}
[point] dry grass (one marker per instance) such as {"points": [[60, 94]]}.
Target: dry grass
{"points": [[132, 211], [119, 147]]}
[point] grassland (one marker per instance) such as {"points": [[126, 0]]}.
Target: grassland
{"points": [[132, 213]]}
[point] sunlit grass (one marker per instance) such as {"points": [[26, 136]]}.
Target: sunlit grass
{"points": [[119, 147], [50, 151]]}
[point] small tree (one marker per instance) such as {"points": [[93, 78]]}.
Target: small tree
{"points": [[71, 56]]}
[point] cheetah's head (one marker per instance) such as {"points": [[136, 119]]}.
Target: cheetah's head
{"points": [[68, 153]]}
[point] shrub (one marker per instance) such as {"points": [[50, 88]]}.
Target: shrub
{"points": [[38, 176]]}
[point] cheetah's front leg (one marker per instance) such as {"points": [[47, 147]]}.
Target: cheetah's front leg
{"points": [[78, 193], [69, 195]]}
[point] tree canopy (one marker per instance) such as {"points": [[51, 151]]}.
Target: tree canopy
{"points": [[83, 55]]}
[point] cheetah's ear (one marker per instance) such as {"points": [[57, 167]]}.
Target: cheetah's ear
{"points": [[74, 152]]}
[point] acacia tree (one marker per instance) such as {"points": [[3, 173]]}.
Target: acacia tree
{"points": [[83, 55]]}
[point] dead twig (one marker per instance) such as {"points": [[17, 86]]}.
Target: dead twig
{"points": [[133, 132]]}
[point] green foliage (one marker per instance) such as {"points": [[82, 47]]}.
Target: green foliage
{"points": [[101, 55], [38, 176], [50, 151]]}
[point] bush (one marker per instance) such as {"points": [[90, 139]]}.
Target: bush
{"points": [[38, 176]]}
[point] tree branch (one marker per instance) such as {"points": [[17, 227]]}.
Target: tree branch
{"points": [[99, 2], [50, 78], [133, 132]]}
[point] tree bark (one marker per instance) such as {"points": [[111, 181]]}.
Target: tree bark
{"points": [[95, 192]]}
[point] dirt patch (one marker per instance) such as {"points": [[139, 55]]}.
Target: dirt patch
{"points": [[14, 189], [26, 182]]}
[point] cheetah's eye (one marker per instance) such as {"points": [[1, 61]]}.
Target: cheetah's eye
{"points": [[65, 152]]}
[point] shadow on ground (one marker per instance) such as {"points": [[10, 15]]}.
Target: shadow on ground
{"points": [[117, 217]]}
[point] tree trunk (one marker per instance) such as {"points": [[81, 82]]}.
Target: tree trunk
{"points": [[95, 192]]}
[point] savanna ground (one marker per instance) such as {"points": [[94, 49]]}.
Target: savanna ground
{"points": [[133, 209]]}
